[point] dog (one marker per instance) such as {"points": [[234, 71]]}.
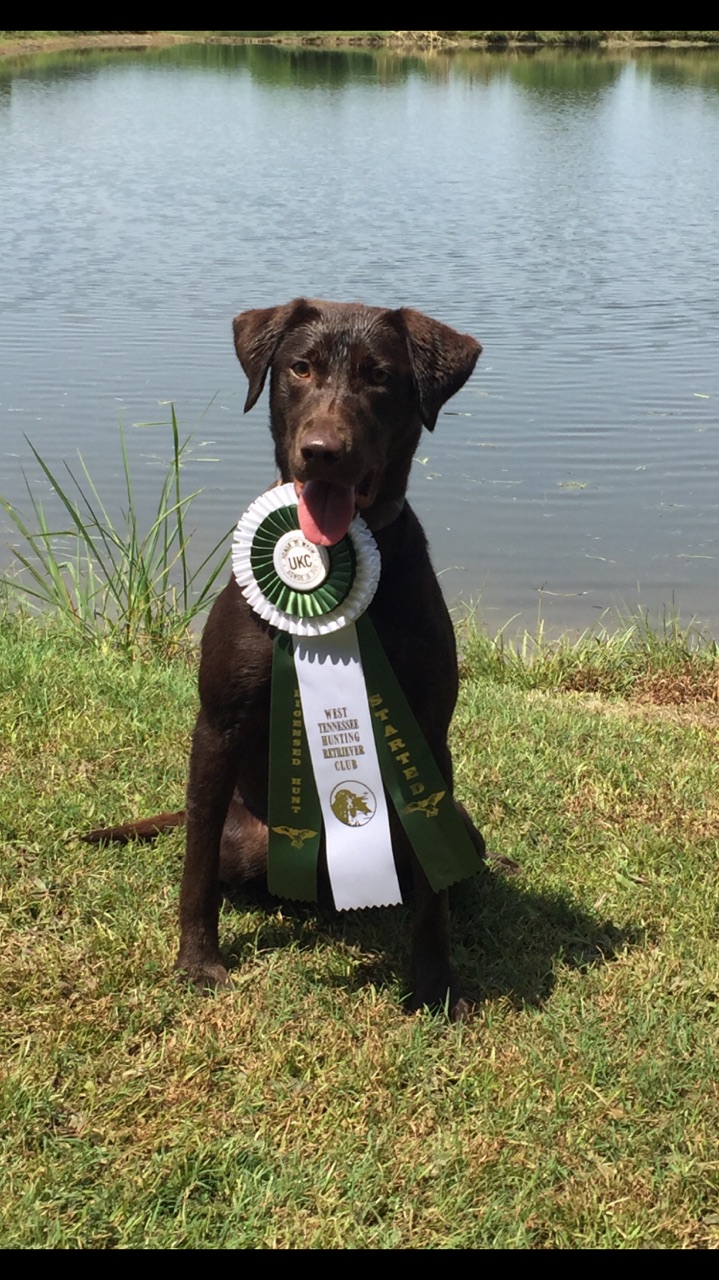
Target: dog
{"points": [[351, 387]]}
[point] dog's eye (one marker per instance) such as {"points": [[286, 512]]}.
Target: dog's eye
{"points": [[301, 368], [379, 376]]}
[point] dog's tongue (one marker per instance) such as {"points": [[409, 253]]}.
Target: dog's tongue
{"points": [[325, 511]]}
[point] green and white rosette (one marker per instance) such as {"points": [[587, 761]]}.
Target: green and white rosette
{"points": [[341, 729], [302, 589]]}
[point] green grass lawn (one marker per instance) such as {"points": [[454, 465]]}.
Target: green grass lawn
{"points": [[578, 1107]]}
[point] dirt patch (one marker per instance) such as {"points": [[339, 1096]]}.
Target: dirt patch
{"points": [[687, 685]]}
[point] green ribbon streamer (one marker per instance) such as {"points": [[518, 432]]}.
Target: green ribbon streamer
{"points": [[409, 771], [295, 817], [419, 793]]}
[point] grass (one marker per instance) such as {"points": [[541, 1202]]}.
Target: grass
{"points": [[577, 1108], [628, 657], [580, 1105], [115, 583]]}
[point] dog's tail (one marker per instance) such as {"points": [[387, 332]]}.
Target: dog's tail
{"points": [[143, 829]]}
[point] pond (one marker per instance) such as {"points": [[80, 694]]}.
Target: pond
{"points": [[561, 207]]}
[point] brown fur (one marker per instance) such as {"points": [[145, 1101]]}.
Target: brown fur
{"points": [[351, 387]]}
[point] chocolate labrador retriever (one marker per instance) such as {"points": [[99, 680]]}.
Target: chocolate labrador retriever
{"points": [[351, 387]]}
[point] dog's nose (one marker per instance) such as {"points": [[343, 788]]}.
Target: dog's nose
{"points": [[324, 447]]}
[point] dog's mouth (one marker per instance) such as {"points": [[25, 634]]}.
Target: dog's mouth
{"points": [[326, 510]]}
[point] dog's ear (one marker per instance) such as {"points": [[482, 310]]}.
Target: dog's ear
{"points": [[257, 336], [441, 358]]}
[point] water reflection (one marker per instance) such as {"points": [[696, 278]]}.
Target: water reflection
{"points": [[554, 73]]}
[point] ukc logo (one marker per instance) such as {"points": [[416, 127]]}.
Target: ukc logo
{"points": [[353, 803], [299, 563]]}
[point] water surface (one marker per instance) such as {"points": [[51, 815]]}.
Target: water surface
{"points": [[561, 207]]}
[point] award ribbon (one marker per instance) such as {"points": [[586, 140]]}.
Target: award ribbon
{"points": [[340, 725]]}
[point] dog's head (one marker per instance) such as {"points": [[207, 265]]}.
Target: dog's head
{"points": [[351, 387]]}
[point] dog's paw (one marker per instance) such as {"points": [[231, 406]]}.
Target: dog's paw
{"points": [[440, 1000], [461, 1010], [205, 975]]}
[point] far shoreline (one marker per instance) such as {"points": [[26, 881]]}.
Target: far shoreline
{"points": [[32, 43]]}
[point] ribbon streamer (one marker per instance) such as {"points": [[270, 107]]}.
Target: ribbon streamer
{"points": [[341, 729]]}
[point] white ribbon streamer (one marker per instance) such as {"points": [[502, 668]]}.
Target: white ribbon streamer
{"points": [[349, 783]]}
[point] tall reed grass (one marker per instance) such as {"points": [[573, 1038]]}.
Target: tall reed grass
{"points": [[116, 583]]}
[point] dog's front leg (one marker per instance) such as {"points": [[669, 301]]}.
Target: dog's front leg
{"points": [[434, 983], [213, 771]]}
